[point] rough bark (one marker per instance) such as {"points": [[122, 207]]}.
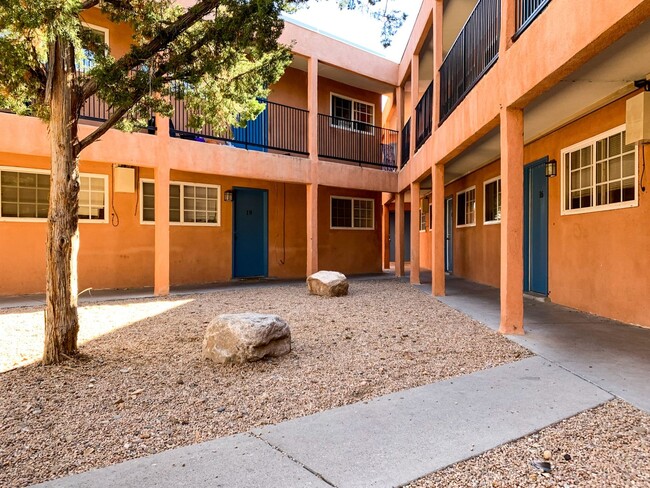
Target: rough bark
{"points": [[61, 319]]}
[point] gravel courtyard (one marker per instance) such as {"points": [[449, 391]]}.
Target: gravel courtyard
{"points": [[140, 386]]}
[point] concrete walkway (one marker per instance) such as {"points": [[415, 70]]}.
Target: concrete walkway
{"points": [[384, 442]]}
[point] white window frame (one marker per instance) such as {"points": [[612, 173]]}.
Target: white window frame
{"points": [[332, 197], [16, 169], [352, 120], [485, 184], [99, 28], [466, 190], [596, 208], [182, 184], [423, 218]]}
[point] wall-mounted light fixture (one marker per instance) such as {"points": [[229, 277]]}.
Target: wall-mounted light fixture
{"points": [[551, 168], [227, 196]]}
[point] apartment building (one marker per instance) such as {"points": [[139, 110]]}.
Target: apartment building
{"points": [[506, 148]]}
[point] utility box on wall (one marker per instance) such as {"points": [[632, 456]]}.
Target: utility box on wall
{"points": [[637, 119], [124, 180]]}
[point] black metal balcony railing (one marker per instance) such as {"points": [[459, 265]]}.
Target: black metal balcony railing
{"points": [[424, 117], [357, 142], [473, 53], [279, 127], [406, 143], [527, 11]]}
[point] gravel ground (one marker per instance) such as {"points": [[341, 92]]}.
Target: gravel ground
{"points": [[140, 386], [608, 446]]}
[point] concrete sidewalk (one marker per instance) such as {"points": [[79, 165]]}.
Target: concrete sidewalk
{"points": [[384, 442]]}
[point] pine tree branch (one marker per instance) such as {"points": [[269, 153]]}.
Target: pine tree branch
{"points": [[102, 129], [89, 4], [139, 54]]}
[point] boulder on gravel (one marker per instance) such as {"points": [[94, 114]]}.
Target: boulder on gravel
{"points": [[242, 337], [328, 284]]}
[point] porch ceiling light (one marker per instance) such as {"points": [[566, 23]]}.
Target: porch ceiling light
{"points": [[551, 168]]}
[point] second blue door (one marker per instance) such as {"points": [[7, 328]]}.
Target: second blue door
{"points": [[536, 228], [250, 232]]}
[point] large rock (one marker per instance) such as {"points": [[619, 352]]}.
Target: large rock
{"points": [[328, 284], [241, 337]]}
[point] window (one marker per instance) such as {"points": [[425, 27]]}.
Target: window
{"points": [[492, 193], [189, 203], [466, 207], [423, 214], [352, 114], [352, 213], [88, 58], [600, 174], [25, 195]]}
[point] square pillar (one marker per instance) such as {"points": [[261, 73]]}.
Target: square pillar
{"points": [[161, 240], [312, 229], [512, 221], [437, 60], [399, 98], [508, 25], [399, 235], [415, 233], [312, 106], [385, 235], [438, 230]]}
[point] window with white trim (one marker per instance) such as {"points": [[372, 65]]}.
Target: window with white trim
{"points": [[352, 213], [87, 56], [349, 113], [600, 174], [466, 207], [492, 196], [189, 203], [423, 216], [25, 195]]}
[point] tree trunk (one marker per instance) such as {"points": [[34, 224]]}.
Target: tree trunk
{"points": [[61, 319]]}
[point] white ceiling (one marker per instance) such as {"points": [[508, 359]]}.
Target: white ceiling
{"points": [[612, 72]]}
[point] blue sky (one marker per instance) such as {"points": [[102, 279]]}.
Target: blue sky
{"points": [[359, 28]]}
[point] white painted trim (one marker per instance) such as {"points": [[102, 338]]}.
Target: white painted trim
{"points": [[182, 185], [374, 111], [99, 28], [352, 216], [485, 184], [18, 169], [466, 190], [596, 208]]}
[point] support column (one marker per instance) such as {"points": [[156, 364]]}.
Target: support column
{"points": [[415, 98], [161, 245], [512, 221], [437, 60], [161, 215], [399, 97], [415, 233], [508, 25], [399, 235], [312, 229], [385, 235], [438, 230], [312, 106]]}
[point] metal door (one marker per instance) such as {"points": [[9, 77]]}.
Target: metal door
{"points": [[250, 232]]}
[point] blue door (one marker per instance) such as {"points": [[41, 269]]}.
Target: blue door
{"points": [[536, 227], [255, 136], [407, 235], [449, 235], [250, 232]]}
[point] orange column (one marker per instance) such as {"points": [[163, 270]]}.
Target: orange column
{"points": [[385, 235], [438, 230], [399, 234], [312, 229], [399, 96], [415, 233], [512, 221], [312, 188], [415, 98], [161, 188], [508, 24], [437, 60]]}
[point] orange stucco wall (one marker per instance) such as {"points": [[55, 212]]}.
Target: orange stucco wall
{"points": [[597, 260], [350, 251]]}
